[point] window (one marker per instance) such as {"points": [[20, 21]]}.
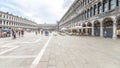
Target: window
{"points": [[3, 16], [85, 14], [95, 9], [91, 12], [7, 16], [4, 23], [81, 4], [88, 1], [85, 2], [88, 13], [7, 23], [105, 6], [0, 15], [118, 2], [112, 4], [0, 21], [99, 8]]}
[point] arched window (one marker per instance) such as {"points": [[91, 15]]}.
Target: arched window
{"points": [[112, 4], [85, 2], [81, 4], [85, 14], [95, 9], [91, 12], [88, 13], [99, 8], [0, 21], [118, 2], [105, 5], [88, 1]]}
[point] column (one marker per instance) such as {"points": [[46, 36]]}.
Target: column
{"points": [[92, 29], [86, 30], [114, 29], [81, 31], [101, 29]]}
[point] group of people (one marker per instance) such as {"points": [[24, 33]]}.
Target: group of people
{"points": [[20, 33]]}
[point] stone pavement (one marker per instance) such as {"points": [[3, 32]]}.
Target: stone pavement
{"points": [[60, 51], [81, 52]]}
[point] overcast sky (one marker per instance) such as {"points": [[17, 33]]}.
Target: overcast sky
{"points": [[40, 11]]}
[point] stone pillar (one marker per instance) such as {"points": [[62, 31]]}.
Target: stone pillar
{"points": [[114, 29], [101, 29], [92, 29], [81, 31], [86, 30]]}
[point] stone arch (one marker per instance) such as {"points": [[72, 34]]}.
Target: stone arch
{"points": [[96, 25], [107, 25], [89, 25], [84, 25]]}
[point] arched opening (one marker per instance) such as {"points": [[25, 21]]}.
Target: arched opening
{"points": [[84, 25], [89, 28], [91, 12], [108, 27], [118, 27], [74, 31], [97, 28], [80, 31], [88, 13]]}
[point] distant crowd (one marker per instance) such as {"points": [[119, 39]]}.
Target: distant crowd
{"points": [[11, 33]]}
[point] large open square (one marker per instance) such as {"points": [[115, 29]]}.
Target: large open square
{"points": [[59, 33], [59, 51]]}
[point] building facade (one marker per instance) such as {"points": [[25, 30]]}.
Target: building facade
{"points": [[93, 17], [48, 27], [9, 21]]}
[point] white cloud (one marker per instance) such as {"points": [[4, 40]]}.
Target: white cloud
{"points": [[40, 11]]}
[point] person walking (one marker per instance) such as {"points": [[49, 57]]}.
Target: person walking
{"points": [[13, 34], [36, 32], [22, 33], [19, 33], [41, 32]]}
